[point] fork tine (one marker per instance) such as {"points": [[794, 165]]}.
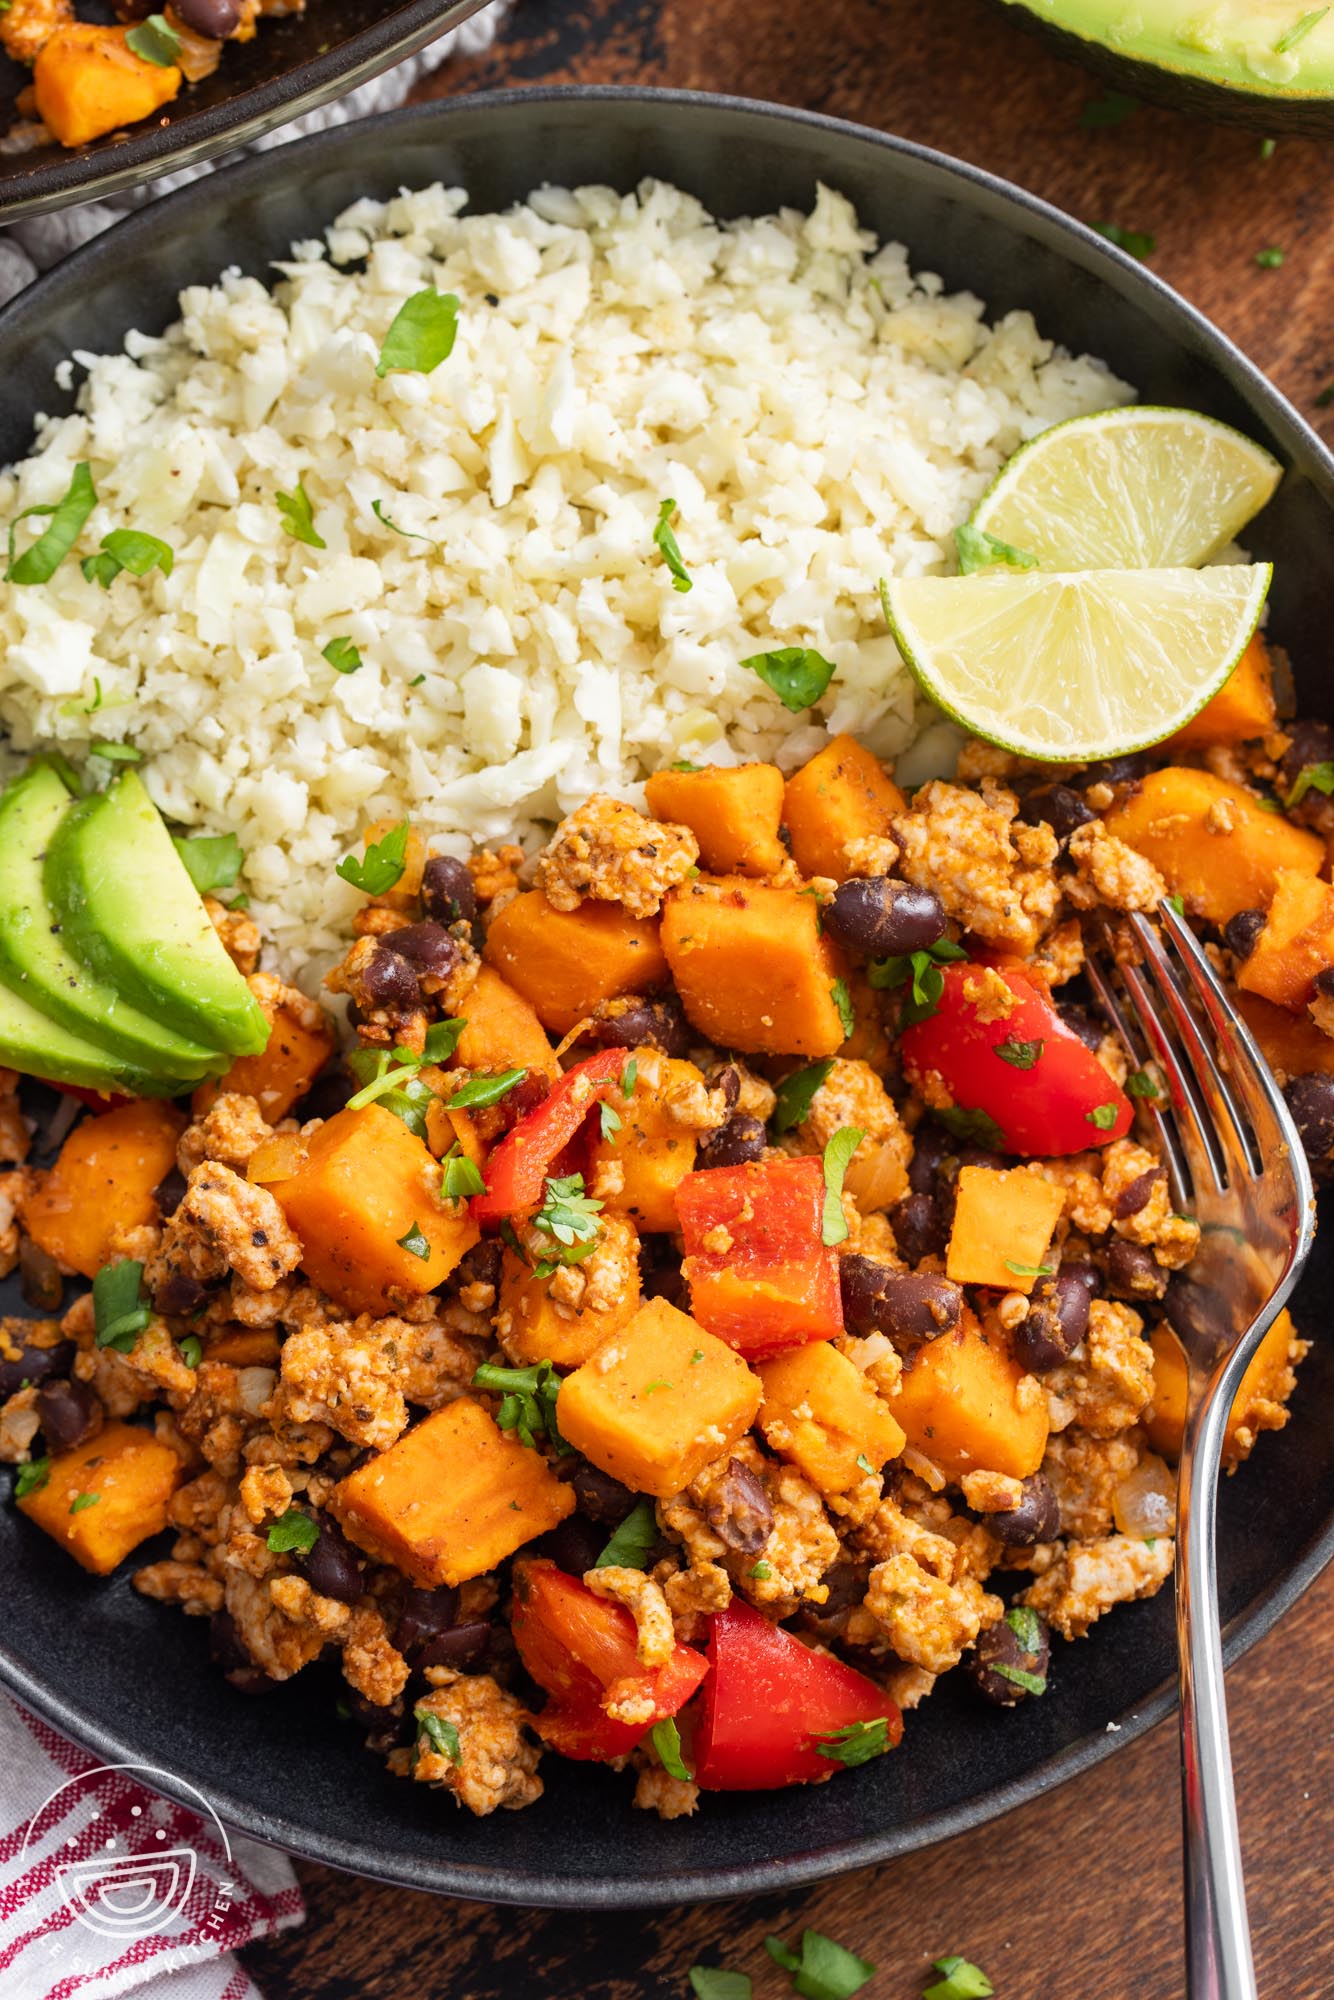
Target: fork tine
{"points": [[1110, 1001], [1230, 1129], [1203, 1156]]}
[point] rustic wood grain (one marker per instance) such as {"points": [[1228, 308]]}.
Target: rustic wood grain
{"points": [[1077, 1896]]}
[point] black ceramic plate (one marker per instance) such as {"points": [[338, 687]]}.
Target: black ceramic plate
{"points": [[129, 1678], [292, 65]]}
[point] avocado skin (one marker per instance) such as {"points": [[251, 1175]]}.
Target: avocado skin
{"points": [[41, 967], [130, 909], [1274, 113]]}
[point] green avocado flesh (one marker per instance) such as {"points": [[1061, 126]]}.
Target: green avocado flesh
{"points": [[37, 1046], [43, 965], [131, 910], [1231, 42]]}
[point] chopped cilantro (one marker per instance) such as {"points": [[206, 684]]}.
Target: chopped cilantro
{"points": [[609, 1120], [1029, 1270], [567, 1213], [959, 1980], [974, 1127], [415, 1243], [1135, 242], [697, 1356], [116, 753], [482, 1090], [191, 1350], [421, 334], [400, 1090], [1178, 903], [39, 562], [462, 1177], [669, 548], [843, 1001], [1268, 148], [856, 1743], [119, 1314], [979, 550], [920, 970], [630, 1545], [630, 1077], [298, 521], [715, 1982], [1270, 259], [864, 1463], [442, 1736], [1140, 1084], [528, 1400], [684, 764], [129, 549], [821, 1970], [408, 534], [796, 1094], [342, 655], [32, 1477], [155, 40], [293, 1533], [82, 1500], [1299, 30], [1311, 778], [1019, 1055], [838, 1152], [798, 675], [212, 861], [666, 1738], [382, 865], [761, 1572], [1024, 1623], [442, 1038], [1103, 1116], [1020, 1677]]}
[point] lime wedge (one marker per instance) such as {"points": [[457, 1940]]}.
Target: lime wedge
{"points": [[1129, 489], [1069, 668]]}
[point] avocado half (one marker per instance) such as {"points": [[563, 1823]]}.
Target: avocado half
{"points": [[1222, 59]]}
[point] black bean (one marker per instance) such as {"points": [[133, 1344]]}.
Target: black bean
{"points": [[880, 918], [69, 1412], [738, 1510], [481, 1265], [1116, 770], [599, 1496], [178, 1294], [35, 1364], [846, 1583], [909, 1307], [215, 19], [333, 1567], [389, 981], [732, 1144], [1134, 1272], [574, 1546], [1311, 1102], [1324, 983], [919, 1228], [428, 948], [1037, 1518], [461, 1646], [424, 1615], [169, 1193], [1057, 1320], [1136, 1194], [327, 1095], [999, 1647], [447, 890], [1090, 1030], [40, 1281], [667, 1281], [932, 1146], [515, 1105], [1199, 1313], [637, 1022], [728, 1081], [227, 1647], [1062, 809], [1311, 743], [1241, 931], [386, 1726]]}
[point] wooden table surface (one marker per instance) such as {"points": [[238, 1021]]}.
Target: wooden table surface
{"points": [[1077, 1896]]}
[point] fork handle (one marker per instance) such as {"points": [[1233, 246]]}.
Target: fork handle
{"points": [[1219, 1965]]}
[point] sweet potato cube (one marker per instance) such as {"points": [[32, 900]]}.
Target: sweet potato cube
{"points": [[503, 1031], [1003, 1222], [753, 968], [820, 1411], [843, 794], [245, 1347], [366, 1205], [534, 1327], [962, 1405], [564, 961], [1242, 709], [87, 81], [1296, 943], [1291, 1044], [451, 1499], [1267, 1380], [1212, 842], [658, 1401], [298, 1047], [653, 1151], [734, 814], [102, 1182], [106, 1496]]}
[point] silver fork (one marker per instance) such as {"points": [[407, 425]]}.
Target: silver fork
{"points": [[1235, 1162]]}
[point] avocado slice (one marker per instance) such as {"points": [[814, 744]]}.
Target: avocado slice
{"points": [[1268, 49], [38, 964], [37, 1046], [130, 908]]}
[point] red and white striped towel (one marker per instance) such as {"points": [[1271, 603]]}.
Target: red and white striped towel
{"points": [[106, 1888]]}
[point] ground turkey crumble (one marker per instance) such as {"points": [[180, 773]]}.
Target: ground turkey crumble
{"points": [[608, 851]]}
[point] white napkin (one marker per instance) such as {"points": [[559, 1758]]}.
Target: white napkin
{"points": [[34, 245]]}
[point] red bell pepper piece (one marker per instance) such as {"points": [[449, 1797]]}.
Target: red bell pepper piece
{"points": [[577, 1647], [516, 1172], [776, 1284], [770, 1701], [1046, 1094]]}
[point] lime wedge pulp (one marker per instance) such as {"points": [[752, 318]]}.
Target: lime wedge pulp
{"points": [[1135, 488], [1088, 664]]}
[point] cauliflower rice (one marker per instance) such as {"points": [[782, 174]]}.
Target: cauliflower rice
{"points": [[821, 417]]}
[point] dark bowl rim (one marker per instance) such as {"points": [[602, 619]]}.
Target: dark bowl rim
{"points": [[200, 134], [488, 1884]]}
